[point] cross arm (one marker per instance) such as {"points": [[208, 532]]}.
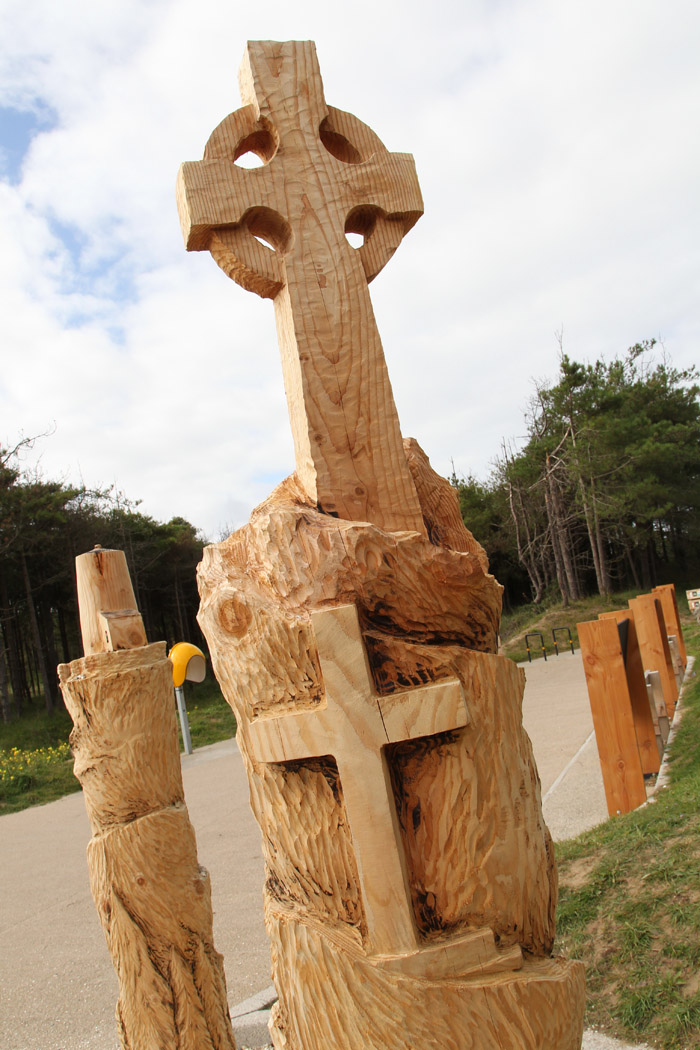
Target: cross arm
{"points": [[387, 182], [288, 738], [387, 204], [436, 708], [213, 193]]}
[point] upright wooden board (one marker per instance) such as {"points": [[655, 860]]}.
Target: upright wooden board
{"points": [[666, 593], [653, 644], [643, 713], [613, 721]]}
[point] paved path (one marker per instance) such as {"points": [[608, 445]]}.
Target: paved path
{"points": [[58, 986], [557, 717]]}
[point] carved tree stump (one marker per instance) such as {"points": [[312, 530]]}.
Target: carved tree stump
{"points": [[478, 858], [152, 897], [411, 884]]}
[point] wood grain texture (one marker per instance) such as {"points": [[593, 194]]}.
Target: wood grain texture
{"points": [[440, 506], [109, 619], [666, 593], [353, 627], [333, 997], [152, 896], [478, 859], [354, 725], [653, 644], [613, 721], [326, 173]]}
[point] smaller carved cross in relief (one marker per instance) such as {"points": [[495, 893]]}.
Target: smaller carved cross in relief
{"points": [[354, 725]]}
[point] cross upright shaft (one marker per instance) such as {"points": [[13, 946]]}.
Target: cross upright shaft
{"points": [[325, 174]]}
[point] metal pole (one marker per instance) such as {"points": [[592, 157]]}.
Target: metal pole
{"points": [[184, 724]]}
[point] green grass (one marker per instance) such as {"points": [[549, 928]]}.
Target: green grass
{"points": [[36, 765], [35, 761], [629, 903], [551, 614]]}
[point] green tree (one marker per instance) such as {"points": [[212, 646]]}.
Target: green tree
{"points": [[44, 525]]}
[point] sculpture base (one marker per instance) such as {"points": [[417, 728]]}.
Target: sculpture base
{"points": [[334, 998]]}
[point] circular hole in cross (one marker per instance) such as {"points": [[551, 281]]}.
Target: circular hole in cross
{"points": [[338, 145], [269, 228], [359, 225], [255, 149], [249, 160]]}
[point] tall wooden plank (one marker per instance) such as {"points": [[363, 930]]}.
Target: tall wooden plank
{"points": [[666, 593], [643, 712], [653, 643], [613, 721]]}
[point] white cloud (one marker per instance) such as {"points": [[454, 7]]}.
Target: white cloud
{"points": [[556, 148]]}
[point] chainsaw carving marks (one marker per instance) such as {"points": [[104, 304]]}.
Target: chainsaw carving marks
{"points": [[353, 625], [326, 173], [152, 896], [477, 854]]}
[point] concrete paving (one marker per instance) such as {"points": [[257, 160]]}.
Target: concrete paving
{"points": [[58, 986], [557, 718]]}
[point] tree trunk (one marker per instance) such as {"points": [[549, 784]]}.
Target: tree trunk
{"points": [[20, 692], [633, 568], [556, 550], [4, 690], [36, 637], [63, 631], [334, 981], [525, 557], [600, 545], [559, 534], [178, 607], [48, 635], [26, 653]]}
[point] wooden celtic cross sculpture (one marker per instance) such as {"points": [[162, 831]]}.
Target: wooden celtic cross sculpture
{"points": [[326, 174], [411, 887]]}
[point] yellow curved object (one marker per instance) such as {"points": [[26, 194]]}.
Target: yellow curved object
{"points": [[189, 663]]}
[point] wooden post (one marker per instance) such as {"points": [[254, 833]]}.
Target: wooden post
{"points": [[666, 593], [604, 665], [653, 644], [646, 725], [152, 896], [353, 625]]}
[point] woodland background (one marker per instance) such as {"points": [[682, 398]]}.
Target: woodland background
{"points": [[602, 496]]}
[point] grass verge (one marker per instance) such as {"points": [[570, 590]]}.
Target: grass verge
{"points": [[548, 615], [629, 903], [36, 765]]}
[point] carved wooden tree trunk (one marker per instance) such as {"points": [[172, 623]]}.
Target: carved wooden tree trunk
{"points": [[478, 855], [411, 884], [152, 897]]}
